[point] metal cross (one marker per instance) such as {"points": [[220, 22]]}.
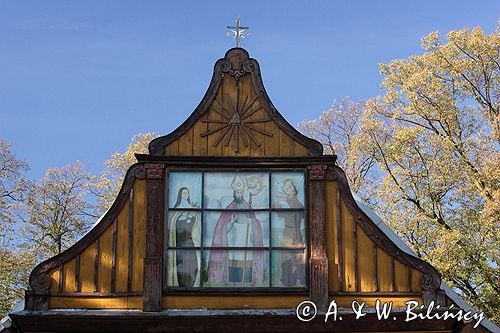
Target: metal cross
{"points": [[237, 31]]}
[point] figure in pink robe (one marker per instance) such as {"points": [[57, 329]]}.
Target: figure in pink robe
{"points": [[219, 267]]}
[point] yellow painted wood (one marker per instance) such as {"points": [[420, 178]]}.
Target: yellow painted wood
{"points": [[54, 276], [139, 235], [230, 302], [122, 250], [397, 302], [401, 276], [332, 235], [366, 264], [348, 248], [172, 149], [105, 258], [384, 271], [87, 269], [69, 276], [286, 144], [199, 142], [185, 147], [416, 275], [82, 302]]}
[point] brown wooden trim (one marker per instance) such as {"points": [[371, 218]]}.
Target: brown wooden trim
{"points": [[241, 321], [113, 256], [318, 262], [96, 265], [430, 281], [236, 161], [39, 279], [154, 236], [95, 294], [237, 63], [376, 294], [260, 291]]}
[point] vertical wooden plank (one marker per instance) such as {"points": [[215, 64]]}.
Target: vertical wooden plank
{"points": [[357, 286], [138, 235], [69, 276], [96, 265], [366, 267], [415, 280], [272, 143], [348, 249], [338, 204], [286, 144], [185, 147], [78, 285], [199, 142], [105, 260], [130, 237], [113, 256], [172, 149], [331, 236], [401, 276], [247, 95], [384, 271], [87, 259], [259, 137], [215, 141], [54, 275], [299, 150], [122, 250]]}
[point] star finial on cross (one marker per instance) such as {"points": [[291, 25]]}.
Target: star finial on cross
{"points": [[237, 31]]}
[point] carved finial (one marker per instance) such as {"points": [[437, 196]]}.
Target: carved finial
{"points": [[237, 31]]}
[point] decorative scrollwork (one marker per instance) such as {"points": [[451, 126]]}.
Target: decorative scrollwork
{"points": [[317, 172], [154, 171], [428, 283], [140, 172], [40, 281]]}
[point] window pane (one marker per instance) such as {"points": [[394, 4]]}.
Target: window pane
{"points": [[236, 190], [183, 268], [288, 229], [184, 228], [184, 189], [236, 268], [230, 229], [287, 190], [289, 268]]}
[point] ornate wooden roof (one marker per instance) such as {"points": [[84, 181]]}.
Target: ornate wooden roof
{"points": [[236, 118]]}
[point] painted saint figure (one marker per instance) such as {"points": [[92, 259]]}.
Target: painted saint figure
{"points": [[237, 229], [184, 231], [291, 267]]}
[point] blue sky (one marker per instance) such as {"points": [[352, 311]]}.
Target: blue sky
{"points": [[79, 79]]}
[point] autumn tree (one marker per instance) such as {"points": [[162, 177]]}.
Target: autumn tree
{"points": [[59, 209], [15, 260], [434, 137], [108, 184]]}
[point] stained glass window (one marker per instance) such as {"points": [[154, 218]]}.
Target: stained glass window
{"points": [[235, 230]]}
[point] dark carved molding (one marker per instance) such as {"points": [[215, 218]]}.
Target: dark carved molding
{"points": [[154, 171], [430, 281], [236, 63], [317, 172], [39, 280]]}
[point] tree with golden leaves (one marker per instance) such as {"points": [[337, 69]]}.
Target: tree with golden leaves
{"points": [[434, 138]]}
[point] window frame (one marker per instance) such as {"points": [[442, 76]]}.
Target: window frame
{"points": [[268, 250]]}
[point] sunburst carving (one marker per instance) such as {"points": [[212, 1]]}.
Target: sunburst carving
{"points": [[234, 123]]}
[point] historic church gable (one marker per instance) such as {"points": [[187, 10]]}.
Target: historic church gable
{"points": [[235, 209]]}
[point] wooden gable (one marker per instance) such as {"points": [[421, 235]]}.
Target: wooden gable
{"points": [[119, 264], [236, 118]]}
